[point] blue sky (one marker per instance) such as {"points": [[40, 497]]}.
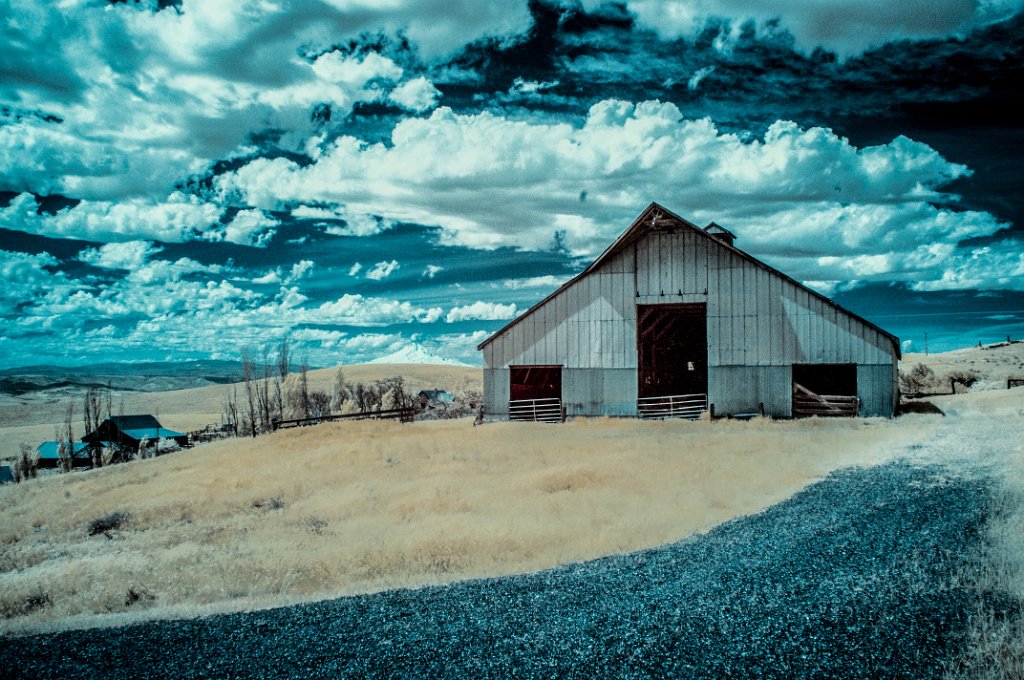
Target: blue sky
{"points": [[184, 179]]}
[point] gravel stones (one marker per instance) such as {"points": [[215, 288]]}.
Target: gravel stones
{"points": [[858, 576]]}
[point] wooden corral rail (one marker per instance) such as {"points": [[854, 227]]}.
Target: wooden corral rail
{"points": [[405, 415], [806, 403], [689, 406], [547, 410]]}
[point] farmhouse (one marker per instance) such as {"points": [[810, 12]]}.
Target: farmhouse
{"points": [[672, 320], [130, 431]]}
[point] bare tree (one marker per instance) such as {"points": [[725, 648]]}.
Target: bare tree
{"points": [[263, 393], [250, 389], [304, 405], [66, 439], [92, 418], [92, 408], [231, 409], [110, 401], [319, 404], [283, 362], [341, 392], [393, 391], [26, 464]]}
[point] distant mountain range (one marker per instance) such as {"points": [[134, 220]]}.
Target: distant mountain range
{"points": [[149, 376], [160, 376]]}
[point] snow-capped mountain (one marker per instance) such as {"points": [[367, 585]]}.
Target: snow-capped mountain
{"points": [[415, 353]]}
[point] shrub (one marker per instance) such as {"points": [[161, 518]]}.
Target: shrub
{"points": [[26, 465], [108, 523], [965, 378], [915, 382], [268, 504]]}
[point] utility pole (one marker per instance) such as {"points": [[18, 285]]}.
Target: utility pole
{"points": [[926, 343]]}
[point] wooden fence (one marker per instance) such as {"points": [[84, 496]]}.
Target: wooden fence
{"points": [[806, 403], [404, 415]]}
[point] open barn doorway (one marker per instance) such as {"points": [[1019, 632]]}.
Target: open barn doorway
{"points": [[825, 390], [672, 356], [535, 393]]}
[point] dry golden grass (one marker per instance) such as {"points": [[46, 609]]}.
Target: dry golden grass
{"points": [[364, 506], [993, 365]]}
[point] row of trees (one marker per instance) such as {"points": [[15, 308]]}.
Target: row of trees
{"points": [[271, 392]]}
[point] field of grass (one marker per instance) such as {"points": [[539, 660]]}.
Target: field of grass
{"points": [[364, 506]]}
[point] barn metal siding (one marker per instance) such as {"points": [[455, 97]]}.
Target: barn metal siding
{"points": [[875, 389], [740, 389], [496, 391], [758, 324]]}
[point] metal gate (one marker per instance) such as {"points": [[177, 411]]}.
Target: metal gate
{"points": [[689, 406], [548, 410]]}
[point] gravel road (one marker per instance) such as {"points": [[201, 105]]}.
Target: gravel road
{"points": [[856, 577]]}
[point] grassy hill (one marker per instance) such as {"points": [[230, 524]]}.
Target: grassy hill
{"points": [[354, 507]]}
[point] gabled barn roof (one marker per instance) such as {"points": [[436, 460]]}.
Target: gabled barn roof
{"points": [[136, 427], [655, 217], [142, 422]]}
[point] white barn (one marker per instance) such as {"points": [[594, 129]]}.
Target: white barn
{"points": [[672, 319]]}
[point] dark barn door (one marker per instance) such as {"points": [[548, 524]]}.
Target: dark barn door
{"points": [[535, 382], [535, 393], [825, 390], [672, 349]]}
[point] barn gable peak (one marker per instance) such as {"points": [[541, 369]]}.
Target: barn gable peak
{"points": [[658, 219]]}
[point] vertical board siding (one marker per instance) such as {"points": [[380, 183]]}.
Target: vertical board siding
{"points": [[757, 321], [875, 389]]}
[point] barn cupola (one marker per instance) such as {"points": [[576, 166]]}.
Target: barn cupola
{"points": [[721, 233]]}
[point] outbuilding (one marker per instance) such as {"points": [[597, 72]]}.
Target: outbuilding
{"points": [[130, 431], [674, 320]]}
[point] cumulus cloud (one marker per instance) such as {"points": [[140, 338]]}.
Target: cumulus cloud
{"points": [[361, 311], [418, 94], [843, 26], [27, 277], [125, 255], [382, 270], [138, 99], [431, 271], [177, 219], [481, 311], [792, 188]]}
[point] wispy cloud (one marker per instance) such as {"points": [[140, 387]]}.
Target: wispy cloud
{"points": [[382, 270]]}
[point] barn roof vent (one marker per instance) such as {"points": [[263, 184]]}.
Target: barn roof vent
{"points": [[721, 233]]}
